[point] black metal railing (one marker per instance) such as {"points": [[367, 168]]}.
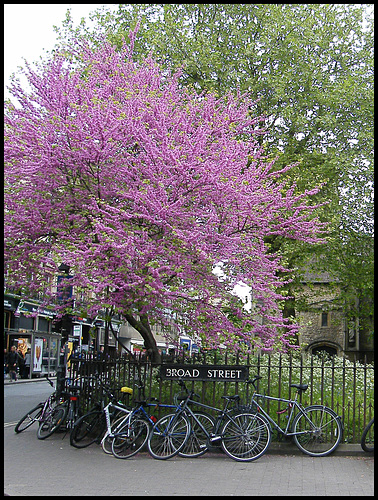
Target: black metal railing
{"points": [[346, 386]]}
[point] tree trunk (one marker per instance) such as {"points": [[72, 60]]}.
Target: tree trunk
{"points": [[143, 327]]}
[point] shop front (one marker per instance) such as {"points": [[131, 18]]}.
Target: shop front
{"points": [[32, 332], [44, 350]]}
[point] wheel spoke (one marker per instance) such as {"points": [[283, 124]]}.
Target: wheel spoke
{"points": [[319, 431]]}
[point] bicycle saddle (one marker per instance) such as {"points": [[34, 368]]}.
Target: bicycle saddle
{"points": [[127, 390], [231, 397], [300, 387]]}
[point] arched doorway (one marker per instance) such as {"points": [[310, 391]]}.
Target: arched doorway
{"points": [[331, 351]]}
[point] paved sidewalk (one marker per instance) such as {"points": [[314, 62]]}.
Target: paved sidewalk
{"points": [[53, 467]]}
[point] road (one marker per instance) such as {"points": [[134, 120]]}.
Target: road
{"points": [[20, 397]]}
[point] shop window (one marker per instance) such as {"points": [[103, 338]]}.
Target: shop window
{"points": [[43, 324], [26, 323]]}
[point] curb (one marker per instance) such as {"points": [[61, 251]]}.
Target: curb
{"points": [[27, 380], [343, 450]]}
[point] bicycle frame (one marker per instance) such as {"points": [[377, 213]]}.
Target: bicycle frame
{"points": [[222, 414], [107, 417], [292, 404], [131, 413], [47, 405]]}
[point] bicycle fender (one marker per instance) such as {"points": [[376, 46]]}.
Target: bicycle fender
{"points": [[321, 407]]}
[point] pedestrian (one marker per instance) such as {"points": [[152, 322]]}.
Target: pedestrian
{"points": [[6, 370], [20, 362], [12, 362], [27, 364]]}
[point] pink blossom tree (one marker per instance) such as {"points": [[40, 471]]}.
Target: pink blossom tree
{"points": [[144, 188]]}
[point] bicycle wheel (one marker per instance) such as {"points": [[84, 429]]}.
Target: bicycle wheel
{"points": [[29, 419], [88, 429], [246, 437], [168, 436], [131, 437], [318, 431], [367, 438], [197, 443], [106, 441], [52, 421]]}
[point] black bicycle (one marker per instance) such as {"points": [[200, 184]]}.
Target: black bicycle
{"points": [[243, 435], [65, 412], [93, 425], [71, 402], [40, 412], [367, 438]]}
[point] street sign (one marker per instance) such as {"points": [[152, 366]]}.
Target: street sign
{"points": [[77, 330], [225, 373]]}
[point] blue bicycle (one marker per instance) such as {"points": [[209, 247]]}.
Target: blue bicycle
{"points": [[129, 434]]}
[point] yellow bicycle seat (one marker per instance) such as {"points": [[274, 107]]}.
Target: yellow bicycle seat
{"points": [[127, 390]]}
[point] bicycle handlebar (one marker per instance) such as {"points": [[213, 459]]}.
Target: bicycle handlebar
{"points": [[255, 379], [181, 383]]}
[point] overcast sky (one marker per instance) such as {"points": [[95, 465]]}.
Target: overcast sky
{"points": [[28, 30]]}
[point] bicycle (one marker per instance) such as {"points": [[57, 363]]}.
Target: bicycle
{"points": [[243, 436], [65, 412], [367, 438], [129, 435], [91, 427], [71, 404], [106, 442], [316, 430], [38, 413]]}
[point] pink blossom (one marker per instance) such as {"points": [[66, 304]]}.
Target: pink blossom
{"points": [[142, 188]]}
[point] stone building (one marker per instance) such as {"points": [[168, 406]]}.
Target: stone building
{"points": [[323, 325]]}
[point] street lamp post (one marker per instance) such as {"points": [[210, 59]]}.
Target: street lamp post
{"points": [[62, 367]]}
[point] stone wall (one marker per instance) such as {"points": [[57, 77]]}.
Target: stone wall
{"points": [[321, 321]]}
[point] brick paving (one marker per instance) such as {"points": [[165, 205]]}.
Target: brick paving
{"points": [[53, 467]]}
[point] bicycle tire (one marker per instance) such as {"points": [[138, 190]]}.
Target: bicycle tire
{"points": [[88, 429], [73, 415], [197, 443], [27, 420], [367, 438], [131, 438], [168, 436], [320, 431], [106, 441], [52, 421], [246, 437]]}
